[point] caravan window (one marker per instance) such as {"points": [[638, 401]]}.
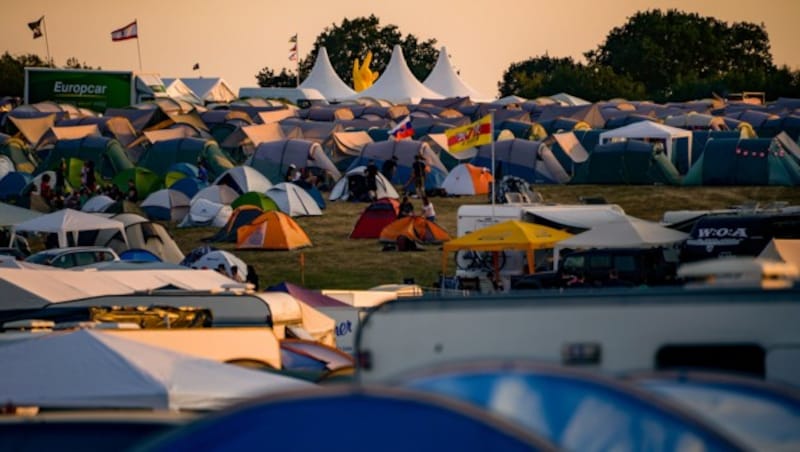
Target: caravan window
{"points": [[573, 263], [600, 261], [625, 264]]}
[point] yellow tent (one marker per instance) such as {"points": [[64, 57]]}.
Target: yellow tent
{"points": [[508, 235]]}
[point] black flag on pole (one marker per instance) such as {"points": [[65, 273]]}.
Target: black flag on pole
{"points": [[196, 67], [36, 27]]}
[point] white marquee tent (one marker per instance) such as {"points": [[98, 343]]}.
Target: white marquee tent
{"points": [[397, 84], [324, 79], [445, 80]]}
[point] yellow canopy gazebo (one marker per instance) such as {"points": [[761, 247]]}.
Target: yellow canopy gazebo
{"points": [[508, 235]]}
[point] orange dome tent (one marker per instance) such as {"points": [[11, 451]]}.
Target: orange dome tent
{"points": [[415, 228], [272, 231]]}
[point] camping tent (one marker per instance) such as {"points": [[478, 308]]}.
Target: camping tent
{"points": [[272, 159], [272, 231], [220, 194], [508, 235], [293, 200], [374, 218], [98, 204], [744, 162], [405, 151], [166, 204], [630, 162], [414, 228], [210, 89], [256, 199], [92, 369], [203, 212], [162, 155], [241, 216], [532, 161], [244, 179], [68, 223], [108, 155], [467, 179], [141, 233], [649, 130], [353, 187]]}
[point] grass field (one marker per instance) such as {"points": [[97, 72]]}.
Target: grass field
{"points": [[336, 262]]}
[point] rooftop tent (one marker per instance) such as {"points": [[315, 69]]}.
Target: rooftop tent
{"points": [[444, 80], [405, 151], [241, 216], [628, 232], [107, 154], [203, 212], [324, 79], [575, 410], [144, 180], [68, 223], [467, 179], [414, 228], [244, 179], [12, 185], [209, 90], [293, 200], [353, 187], [397, 83], [647, 131], [166, 205], [508, 235], [220, 194], [744, 162], [530, 160], [160, 156], [16, 150], [115, 372], [256, 199], [374, 218], [272, 231], [273, 159], [630, 162], [397, 420]]}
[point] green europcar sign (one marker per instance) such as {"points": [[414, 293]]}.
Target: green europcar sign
{"points": [[95, 90]]}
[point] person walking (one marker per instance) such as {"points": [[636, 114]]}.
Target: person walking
{"points": [[418, 171], [428, 211], [61, 171], [389, 168]]}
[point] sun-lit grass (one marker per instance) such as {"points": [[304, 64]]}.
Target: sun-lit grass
{"points": [[337, 262]]}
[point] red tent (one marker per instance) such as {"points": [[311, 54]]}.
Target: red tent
{"points": [[374, 218]]}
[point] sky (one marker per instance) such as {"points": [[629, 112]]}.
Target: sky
{"points": [[236, 38]]}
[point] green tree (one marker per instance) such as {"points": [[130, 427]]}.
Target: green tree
{"points": [[74, 63], [12, 72], [286, 79], [353, 38], [670, 51]]}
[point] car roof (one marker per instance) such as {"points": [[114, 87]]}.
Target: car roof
{"points": [[71, 249]]}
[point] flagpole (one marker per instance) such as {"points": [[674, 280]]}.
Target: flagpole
{"points": [[494, 180], [138, 47], [47, 43]]}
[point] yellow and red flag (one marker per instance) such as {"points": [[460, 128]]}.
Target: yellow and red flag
{"points": [[471, 135]]}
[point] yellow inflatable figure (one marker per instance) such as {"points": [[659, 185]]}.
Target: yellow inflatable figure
{"points": [[363, 77]]}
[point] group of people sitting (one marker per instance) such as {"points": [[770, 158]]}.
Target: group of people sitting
{"points": [[58, 195]]}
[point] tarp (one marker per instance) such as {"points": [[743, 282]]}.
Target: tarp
{"points": [[67, 223], [272, 231], [91, 369], [628, 233]]}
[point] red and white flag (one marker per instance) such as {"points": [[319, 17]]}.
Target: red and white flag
{"points": [[129, 31]]}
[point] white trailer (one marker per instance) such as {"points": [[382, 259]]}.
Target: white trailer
{"points": [[613, 330]]}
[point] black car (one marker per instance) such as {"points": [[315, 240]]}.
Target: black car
{"points": [[619, 267]]}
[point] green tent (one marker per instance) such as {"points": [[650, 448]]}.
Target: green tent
{"points": [[253, 198], [759, 161], [146, 181], [16, 150], [108, 155], [628, 162], [161, 155]]}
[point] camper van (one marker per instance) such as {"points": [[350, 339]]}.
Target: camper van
{"points": [[737, 234]]}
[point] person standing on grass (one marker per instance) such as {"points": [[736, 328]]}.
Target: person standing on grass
{"points": [[371, 174], [406, 208], [418, 171], [427, 209], [389, 168]]}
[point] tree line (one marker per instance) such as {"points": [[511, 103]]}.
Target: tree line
{"points": [[663, 56]]}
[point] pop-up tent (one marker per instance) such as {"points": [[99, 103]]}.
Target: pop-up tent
{"points": [[374, 218], [508, 235], [649, 130], [532, 161], [629, 232], [68, 223], [467, 179], [166, 204], [293, 200], [353, 187], [414, 228], [272, 231], [241, 216], [272, 159], [244, 179]]}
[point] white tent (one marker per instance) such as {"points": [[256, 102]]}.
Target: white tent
{"points": [[166, 204], [92, 369], [204, 212], [177, 89], [97, 203], [213, 89], [69, 221], [341, 192], [324, 79], [244, 179], [628, 233], [445, 80], [212, 260], [293, 200], [11, 215], [397, 83], [569, 99], [220, 194], [644, 130]]}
